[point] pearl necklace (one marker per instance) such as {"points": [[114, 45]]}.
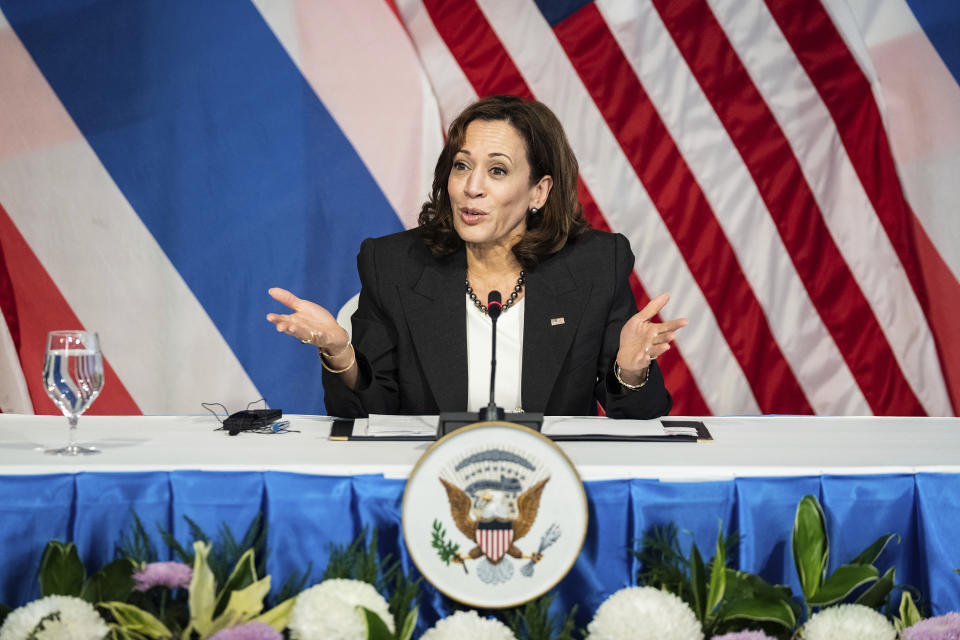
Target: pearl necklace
{"points": [[513, 295]]}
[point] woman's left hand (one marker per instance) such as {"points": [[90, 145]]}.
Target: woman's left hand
{"points": [[642, 340]]}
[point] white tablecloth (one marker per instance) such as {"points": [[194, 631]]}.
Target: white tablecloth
{"points": [[743, 446]]}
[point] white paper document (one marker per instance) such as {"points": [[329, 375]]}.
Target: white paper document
{"points": [[378, 425], [391, 426], [598, 426]]}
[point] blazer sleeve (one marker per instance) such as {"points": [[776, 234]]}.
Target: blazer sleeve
{"points": [[374, 339], [650, 401]]}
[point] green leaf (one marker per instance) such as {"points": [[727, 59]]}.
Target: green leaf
{"points": [[376, 628], [136, 544], [533, 620], [61, 571], [243, 605], [876, 595], [842, 583], [135, 619], [256, 538], [409, 623], [698, 582], [279, 616], [202, 593], [182, 554], [909, 614], [113, 582], [119, 633], [871, 553], [296, 582], [810, 546], [404, 594], [663, 564], [718, 576], [243, 575], [761, 610], [742, 584], [356, 561]]}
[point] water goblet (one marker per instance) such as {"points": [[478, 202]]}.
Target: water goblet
{"points": [[73, 378]]}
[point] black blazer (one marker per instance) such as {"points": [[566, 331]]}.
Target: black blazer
{"points": [[410, 332]]}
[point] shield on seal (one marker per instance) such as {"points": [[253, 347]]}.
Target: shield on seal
{"points": [[494, 538]]}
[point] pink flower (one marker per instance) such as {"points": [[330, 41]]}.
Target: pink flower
{"points": [[946, 627], [743, 635], [249, 631], [163, 574]]}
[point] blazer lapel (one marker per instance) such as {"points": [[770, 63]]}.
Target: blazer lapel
{"points": [[554, 305], [436, 315]]}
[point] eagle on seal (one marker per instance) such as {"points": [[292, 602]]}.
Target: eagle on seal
{"points": [[494, 497]]}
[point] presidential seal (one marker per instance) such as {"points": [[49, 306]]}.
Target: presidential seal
{"points": [[494, 515]]}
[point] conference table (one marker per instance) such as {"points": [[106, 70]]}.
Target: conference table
{"points": [[872, 475]]}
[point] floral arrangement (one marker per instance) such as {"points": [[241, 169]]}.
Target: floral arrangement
{"points": [[468, 624], [339, 609], [743, 635], [210, 594], [55, 617], [644, 613], [737, 605], [850, 622], [219, 592], [946, 627]]}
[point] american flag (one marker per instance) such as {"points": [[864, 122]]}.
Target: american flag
{"points": [[786, 169]]}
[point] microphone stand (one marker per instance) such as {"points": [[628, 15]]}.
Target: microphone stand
{"points": [[451, 421], [492, 412]]}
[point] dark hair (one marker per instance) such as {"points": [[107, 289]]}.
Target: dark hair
{"points": [[548, 153]]}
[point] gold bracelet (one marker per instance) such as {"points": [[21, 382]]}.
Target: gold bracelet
{"points": [[330, 355], [631, 387], [353, 359]]}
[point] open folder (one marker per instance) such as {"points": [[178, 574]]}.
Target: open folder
{"points": [[558, 428]]}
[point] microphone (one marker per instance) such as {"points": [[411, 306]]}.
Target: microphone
{"points": [[451, 421], [494, 309]]}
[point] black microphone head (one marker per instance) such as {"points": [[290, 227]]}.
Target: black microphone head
{"points": [[494, 306]]}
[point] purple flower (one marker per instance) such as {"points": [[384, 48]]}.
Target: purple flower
{"points": [[249, 631], [743, 635], [163, 574], [946, 627]]}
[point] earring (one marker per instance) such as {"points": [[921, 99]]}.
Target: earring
{"points": [[534, 218]]}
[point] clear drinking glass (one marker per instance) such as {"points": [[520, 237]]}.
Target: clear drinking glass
{"points": [[73, 378]]}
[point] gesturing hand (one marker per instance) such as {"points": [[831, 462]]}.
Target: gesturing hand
{"points": [[309, 322], [642, 341]]}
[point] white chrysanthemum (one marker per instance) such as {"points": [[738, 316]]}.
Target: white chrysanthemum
{"points": [[644, 613], [330, 611], [848, 622], [468, 624], [67, 618]]}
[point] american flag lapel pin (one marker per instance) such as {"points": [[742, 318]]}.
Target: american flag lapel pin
{"points": [[555, 321]]}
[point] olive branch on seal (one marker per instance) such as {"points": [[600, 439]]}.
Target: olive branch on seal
{"points": [[445, 549]]}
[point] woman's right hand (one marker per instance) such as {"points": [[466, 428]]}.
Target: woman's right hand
{"points": [[309, 322]]}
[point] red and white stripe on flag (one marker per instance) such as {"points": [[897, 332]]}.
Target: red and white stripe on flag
{"points": [[742, 149], [494, 542]]}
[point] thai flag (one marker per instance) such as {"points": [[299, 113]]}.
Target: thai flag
{"points": [[786, 169]]}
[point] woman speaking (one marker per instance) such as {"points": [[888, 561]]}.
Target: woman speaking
{"points": [[503, 215]]}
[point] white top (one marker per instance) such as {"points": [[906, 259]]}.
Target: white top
{"points": [[509, 357]]}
